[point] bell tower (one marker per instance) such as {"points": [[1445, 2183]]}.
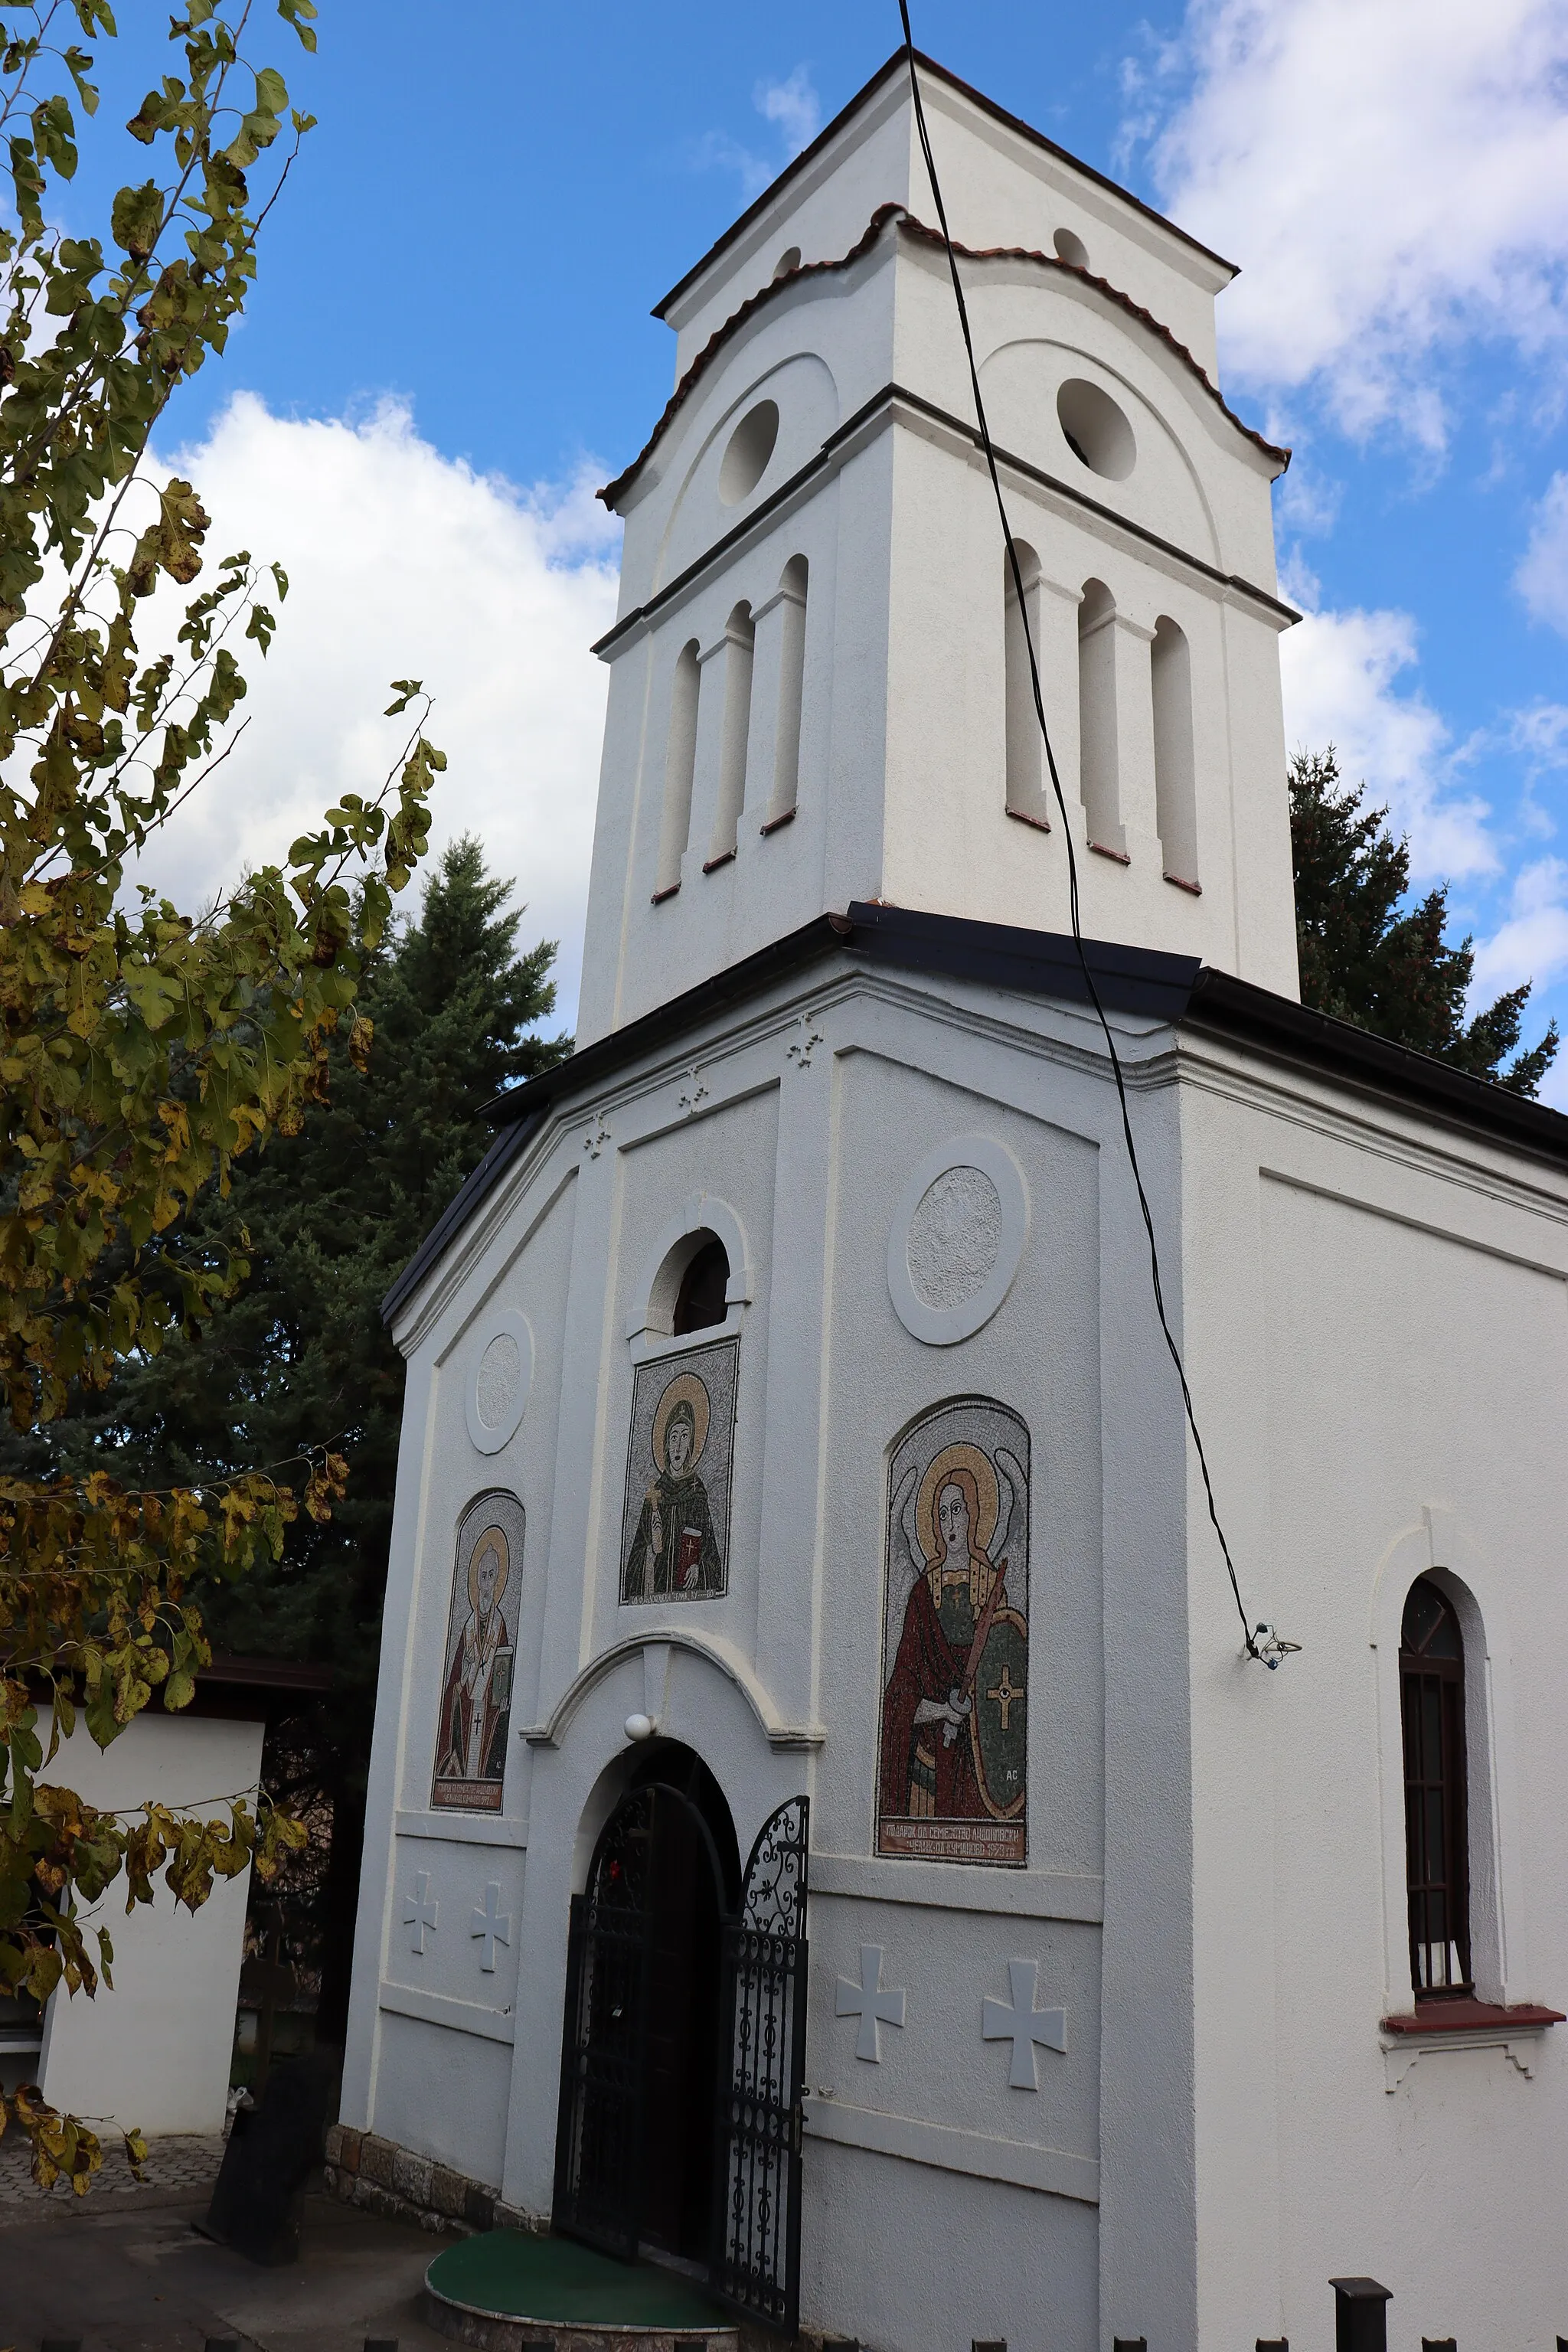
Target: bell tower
{"points": [[819, 689]]}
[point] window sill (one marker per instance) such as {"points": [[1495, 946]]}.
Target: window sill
{"points": [[1440, 2017]]}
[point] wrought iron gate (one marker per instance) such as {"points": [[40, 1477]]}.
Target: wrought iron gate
{"points": [[762, 2080], [599, 2135]]}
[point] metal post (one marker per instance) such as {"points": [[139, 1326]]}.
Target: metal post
{"points": [[1361, 2314]]}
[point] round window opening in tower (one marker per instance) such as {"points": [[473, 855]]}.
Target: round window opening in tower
{"points": [[1095, 430], [745, 461], [700, 1303], [1070, 248], [788, 259]]}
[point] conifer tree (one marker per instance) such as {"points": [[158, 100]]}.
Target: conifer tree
{"points": [[1368, 957], [332, 1215]]}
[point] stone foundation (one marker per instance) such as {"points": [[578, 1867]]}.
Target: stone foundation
{"points": [[385, 2178]]}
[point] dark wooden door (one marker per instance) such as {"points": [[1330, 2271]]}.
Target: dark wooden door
{"points": [[680, 2083], [640, 2085]]}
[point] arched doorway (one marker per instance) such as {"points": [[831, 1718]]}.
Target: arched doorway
{"points": [[682, 2067], [640, 2063]]}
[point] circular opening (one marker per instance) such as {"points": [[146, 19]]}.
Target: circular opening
{"points": [[788, 259], [700, 1303], [1095, 430], [751, 446], [1070, 248]]}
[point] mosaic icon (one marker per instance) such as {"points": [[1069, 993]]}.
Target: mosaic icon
{"points": [[953, 1774], [675, 1530], [475, 1691]]}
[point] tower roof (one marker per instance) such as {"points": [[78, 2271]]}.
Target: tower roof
{"points": [[896, 64]]}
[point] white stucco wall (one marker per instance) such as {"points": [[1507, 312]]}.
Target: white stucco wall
{"points": [[1391, 1400], [154, 2053]]}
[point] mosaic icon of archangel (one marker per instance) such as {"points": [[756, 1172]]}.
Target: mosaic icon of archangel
{"points": [[953, 1769], [675, 1533], [476, 1692]]}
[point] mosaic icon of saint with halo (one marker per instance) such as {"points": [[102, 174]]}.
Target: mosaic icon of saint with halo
{"points": [[676, 1526], [476, 1695], [954, 1746]]}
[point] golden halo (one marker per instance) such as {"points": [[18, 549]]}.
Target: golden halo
{"points": [[688, 1386], [491, 1538], [981, 1469]]}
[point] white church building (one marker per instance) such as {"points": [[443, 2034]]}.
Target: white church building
{"points": [[824, 1826]]}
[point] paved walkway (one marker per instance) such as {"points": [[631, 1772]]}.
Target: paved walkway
{"points": [[186, 2167], [129, 2273]]}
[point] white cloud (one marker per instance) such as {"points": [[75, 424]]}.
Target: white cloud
{"points": [[1392, 173], [1541, 732], [1531, 943], [403, 562], [1340, 673], [1542, 578], [794, 105]]}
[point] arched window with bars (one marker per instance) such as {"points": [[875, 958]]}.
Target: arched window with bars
{"points": [[1437, 1829]]}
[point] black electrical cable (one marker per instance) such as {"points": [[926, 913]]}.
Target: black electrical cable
{"points": [[1246, 1633]]}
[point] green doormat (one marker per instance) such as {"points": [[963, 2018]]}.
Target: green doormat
{"points": [[511, 2274]]}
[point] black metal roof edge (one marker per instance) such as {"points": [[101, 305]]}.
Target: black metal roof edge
{"points": [[1163, 987], [1141, 979], [893, 65], [1035, 963], [1239, 1009], [519, 1111], [458, 1210], [609, 1053]]}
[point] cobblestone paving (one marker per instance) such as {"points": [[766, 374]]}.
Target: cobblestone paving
{"points": [[185, 2165]]}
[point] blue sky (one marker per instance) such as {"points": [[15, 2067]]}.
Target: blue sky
{"points": [[451, 343]]}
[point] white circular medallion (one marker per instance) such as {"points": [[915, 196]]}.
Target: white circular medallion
{"points": [[500, 1376], [957, 1239]]}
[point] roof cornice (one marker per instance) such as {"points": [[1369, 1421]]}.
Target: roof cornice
{"points": [[899, 215], [1174, 990]]}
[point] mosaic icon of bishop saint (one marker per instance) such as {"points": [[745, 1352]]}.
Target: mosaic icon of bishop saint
{"points": [[476, 1701], [674, 1550], [955, 1714]]}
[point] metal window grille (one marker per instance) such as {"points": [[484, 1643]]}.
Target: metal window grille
{"points": [[1431, 1700]]}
